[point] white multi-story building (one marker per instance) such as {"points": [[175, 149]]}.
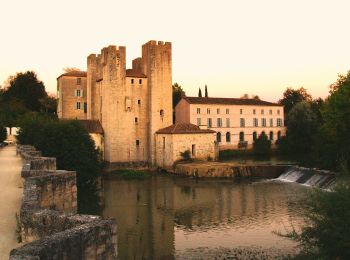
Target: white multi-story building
{"points": [[236, 121]]}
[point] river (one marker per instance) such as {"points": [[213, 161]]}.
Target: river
{"points": [[166, 217]]}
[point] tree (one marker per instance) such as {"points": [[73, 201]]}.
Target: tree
{"points": [[302, 128], [262, 145], [206, 91], [291, 97], [26, 88], [73, 148], [245, 96], [178, 93], [3, 133], [336, 126], [199, 92]]}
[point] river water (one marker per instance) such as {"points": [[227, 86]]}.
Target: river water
{"points": [[166, 217]]}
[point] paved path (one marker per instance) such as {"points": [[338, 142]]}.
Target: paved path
{"points": [[10, 198]]}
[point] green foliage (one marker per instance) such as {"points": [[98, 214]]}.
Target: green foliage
{"points": [[302, 128], [186, 155], [336, 127], [199, 92], [131, 174], [291, 97], [326, 234], [11, 112], [178, 93], [27, 88], [206, 91], [262, 145], [3, 133], [74, 150]]}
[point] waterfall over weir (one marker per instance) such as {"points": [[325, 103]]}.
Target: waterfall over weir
{"points": [[309, 177]]}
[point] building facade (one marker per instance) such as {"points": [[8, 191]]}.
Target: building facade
{"points": [[237, 122], [131, 105]]}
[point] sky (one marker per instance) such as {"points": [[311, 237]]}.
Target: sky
{"points": [[234, 46]]}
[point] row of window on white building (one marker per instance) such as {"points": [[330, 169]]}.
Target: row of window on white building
{"points": [[262, 111], [279, 122]]}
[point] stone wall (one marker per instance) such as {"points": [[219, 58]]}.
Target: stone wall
{"points": [[48, 220], [229, 170]]}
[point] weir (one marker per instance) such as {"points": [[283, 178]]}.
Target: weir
{"points": [[309, 177]]}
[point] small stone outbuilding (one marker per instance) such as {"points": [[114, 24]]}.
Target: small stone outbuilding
{"points": [[173, 140]]}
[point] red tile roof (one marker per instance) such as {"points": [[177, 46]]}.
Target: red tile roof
{"points": [[92, 126], [229, 101], [184, 128], [134, 74], [76, 73]]}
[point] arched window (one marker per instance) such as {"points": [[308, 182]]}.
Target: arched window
{"points": [[228, 137], [255, 136], [271, 135], [241, 136], [279, 135], [218, 137]]}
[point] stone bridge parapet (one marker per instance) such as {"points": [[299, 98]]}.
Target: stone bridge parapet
{"points": [[48, 219]]}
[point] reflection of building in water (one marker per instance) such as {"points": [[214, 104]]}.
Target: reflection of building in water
{"points": [[144, 231], [147, 212]]}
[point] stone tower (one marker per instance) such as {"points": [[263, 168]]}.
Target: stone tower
{"points": [[157, 66], [132, 104]]}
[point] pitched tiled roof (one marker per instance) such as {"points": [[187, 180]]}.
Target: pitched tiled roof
{"points": [[92, 126], [228, 101], [76, 73], [183, 128], [134, 74]]}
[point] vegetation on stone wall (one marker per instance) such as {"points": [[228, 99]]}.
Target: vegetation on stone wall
{"points": [[73, 148], [3, 133]]}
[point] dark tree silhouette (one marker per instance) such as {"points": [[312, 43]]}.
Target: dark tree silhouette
{"points": [[199, 92], [206, 91]]}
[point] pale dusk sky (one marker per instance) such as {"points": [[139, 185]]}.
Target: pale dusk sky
{"points": [[235, 47]]}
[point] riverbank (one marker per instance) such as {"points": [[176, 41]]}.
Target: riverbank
{"points": [[10, 199]]}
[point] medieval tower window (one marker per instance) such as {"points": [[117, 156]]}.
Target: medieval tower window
{"points": [[193, 150], [136, 120], [139, 102], [137, 142], [161, 113], [78, 81], [132, 81], [163, 143], [140, 81]]}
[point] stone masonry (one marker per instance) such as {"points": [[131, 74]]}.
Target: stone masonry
{"points": [[48, 220]]}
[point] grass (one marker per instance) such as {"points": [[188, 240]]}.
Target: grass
{"points": [[131, 174]]}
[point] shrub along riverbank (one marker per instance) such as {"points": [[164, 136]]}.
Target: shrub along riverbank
{"points": [[73, 148]]}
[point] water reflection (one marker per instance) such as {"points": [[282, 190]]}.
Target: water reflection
{"points": [[161, 215]]}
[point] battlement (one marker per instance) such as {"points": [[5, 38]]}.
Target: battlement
{"points": [[159, 43]]}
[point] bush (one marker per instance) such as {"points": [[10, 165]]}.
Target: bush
{"points": [[262, 145], [327, 231], [186, 155], [3, 134], [74, 150]]}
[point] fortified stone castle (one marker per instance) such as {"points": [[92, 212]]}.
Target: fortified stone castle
{"points": [[128, 112]]}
